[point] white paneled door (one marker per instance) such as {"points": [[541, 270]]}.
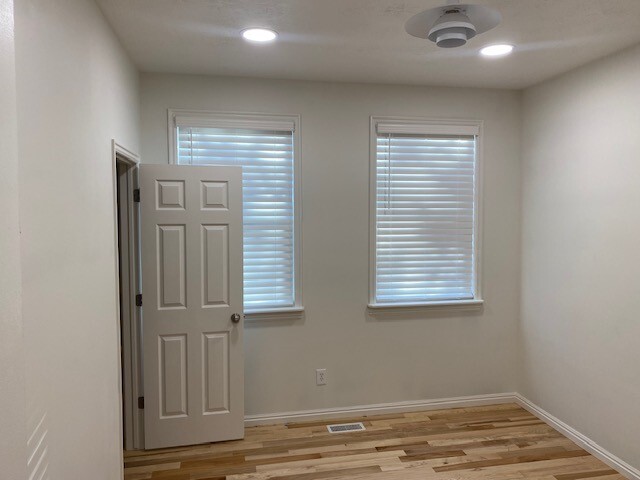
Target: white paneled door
{"points": [[191, 242]]}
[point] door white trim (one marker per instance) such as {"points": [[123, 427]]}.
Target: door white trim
{"points": [[129, 373]]}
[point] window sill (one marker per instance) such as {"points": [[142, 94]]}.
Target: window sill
{"points": [[417, 307], [275, 314]]}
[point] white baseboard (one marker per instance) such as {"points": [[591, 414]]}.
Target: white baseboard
{"points": [[581, 440], [378, 409]]}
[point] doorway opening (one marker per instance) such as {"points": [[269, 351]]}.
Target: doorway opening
{"points": [[128, 281]]}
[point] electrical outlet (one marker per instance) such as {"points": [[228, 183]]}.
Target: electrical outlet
{"points": [[321, 376]]}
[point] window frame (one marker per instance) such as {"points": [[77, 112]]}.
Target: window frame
{"points": [[452, 126], [213, 117]]}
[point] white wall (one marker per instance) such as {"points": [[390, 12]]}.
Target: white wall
{"points": [[581, 232], [76, 91], [12, 389], [369, 360]]}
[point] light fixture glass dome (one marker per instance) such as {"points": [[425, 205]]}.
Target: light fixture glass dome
{"points": [[453, 29], [453, 25]]}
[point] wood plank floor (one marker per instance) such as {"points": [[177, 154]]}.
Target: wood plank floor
{"points": [[497, 442]]}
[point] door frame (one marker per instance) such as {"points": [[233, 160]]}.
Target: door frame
{"points": [[129, 371]]}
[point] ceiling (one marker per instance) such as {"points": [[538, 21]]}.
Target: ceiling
{"points": [[365, 41]]}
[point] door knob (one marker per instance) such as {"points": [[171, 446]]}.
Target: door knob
{"points": [[235, 318]]}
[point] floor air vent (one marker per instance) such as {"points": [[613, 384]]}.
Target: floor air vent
{"points": [[345, 427]]}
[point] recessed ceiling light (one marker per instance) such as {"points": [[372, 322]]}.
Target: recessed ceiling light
{"points": [[497, 50], [259, 35]]}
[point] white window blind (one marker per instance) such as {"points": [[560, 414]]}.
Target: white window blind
{"points": [[267, 160], [424, 217]]}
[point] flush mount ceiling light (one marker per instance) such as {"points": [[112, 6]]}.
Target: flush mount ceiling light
{"points": [[261, 35], [453, 25], [497, 50]]}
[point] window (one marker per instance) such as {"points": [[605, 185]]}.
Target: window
{"points": [[424, 187], [265, 147]]}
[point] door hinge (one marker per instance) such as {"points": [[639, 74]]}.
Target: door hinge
{"points": [[141, 403], [139, 300], [136, 195]]}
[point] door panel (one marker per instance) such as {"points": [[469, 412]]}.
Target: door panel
{"points": [[171, 266], [215, 281], [173, 375], [191, 238], [216, 360]]}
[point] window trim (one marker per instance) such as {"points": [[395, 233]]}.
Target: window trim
{"points": [[259, 119], [438, 125]]}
